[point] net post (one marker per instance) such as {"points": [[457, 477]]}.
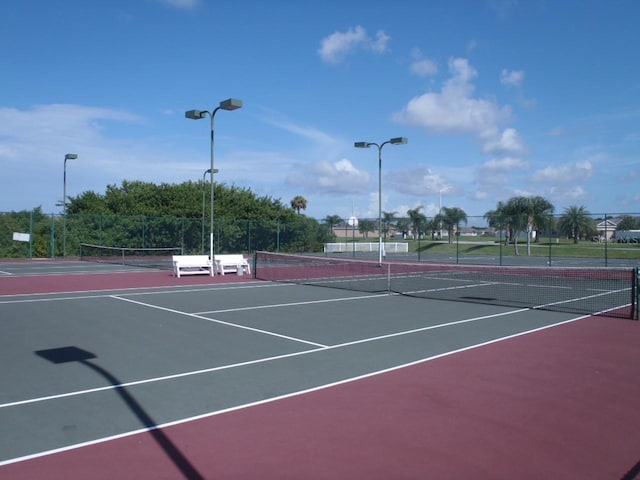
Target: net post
{"points": [[636, 294], [388, 279], [606, 242], [254, 261]]}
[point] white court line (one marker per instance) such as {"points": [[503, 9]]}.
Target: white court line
{"points": [[261, 360], [293, 304], [321, 346], [213, 320], [129, 291], [6, 273], [280, 397]]}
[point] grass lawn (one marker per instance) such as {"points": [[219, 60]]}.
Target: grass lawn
{"points": [[559, 248]]}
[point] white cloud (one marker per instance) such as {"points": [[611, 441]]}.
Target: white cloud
{"points": [[35, 140], [497, 171], [506, 164], [417, 181], [512, 78], [509, 142], [572, 194], [310, 133], [53, 129], [339, 44], [454, 109], [563, 174], [380, 44], [330, 177], [422, 67]]}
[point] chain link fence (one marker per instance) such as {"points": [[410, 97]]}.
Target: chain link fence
{"points": [[37, 235]]}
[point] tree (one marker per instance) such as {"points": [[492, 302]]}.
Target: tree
{"points": [[332, 221], [403, 225], [521, 214], [366, 226], [575, 221], [537, 211], [299, 203], [417, 220], [499, 220], [451, 218], [143, 214], [628, 223], [387, 221]]}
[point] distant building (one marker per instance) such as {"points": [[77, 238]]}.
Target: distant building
{"points": [[607, 228]]}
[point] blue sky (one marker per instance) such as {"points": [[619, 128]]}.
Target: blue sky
{"points": [[498, 98]]}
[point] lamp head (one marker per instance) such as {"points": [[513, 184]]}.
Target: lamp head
{"points": [[195, 114], [399, 140], [362, 144], [231, 104], [70, 156]]}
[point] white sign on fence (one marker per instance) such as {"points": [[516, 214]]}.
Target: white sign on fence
{"points": [[21, 237]]}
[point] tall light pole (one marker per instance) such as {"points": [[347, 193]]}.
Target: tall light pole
{"points": [[68, 156], [393, 141], [204, 176], [440, 207], [229, 104]]}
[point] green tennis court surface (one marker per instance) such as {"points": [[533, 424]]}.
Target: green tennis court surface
{"points": [[97, 368]]}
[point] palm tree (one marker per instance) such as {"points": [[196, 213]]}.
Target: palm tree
{"points": [[299, 203], [403, 225], [575, 221], [537, 211], [451, 218], [521, 214], [366, 226], [499, 219], [331, 221], [417, 219], [516, 219], [387, 220]]}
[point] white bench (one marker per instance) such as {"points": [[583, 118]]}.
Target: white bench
{"points": [[191, 265], [232, 263]]}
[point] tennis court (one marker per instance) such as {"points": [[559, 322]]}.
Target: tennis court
{"points": [[117, 373]]}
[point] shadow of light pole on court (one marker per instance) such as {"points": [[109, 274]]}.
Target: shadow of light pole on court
{"points": [[75, 354]]}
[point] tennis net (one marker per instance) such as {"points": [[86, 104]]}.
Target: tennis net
{"points": [[139, 257], [591, 291]]}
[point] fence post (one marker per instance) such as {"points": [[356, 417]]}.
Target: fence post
{"points": [[637, 293], [53, 236], [500, 243], [182, 234], [606, 242], [31, 234], [550, 228]]}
